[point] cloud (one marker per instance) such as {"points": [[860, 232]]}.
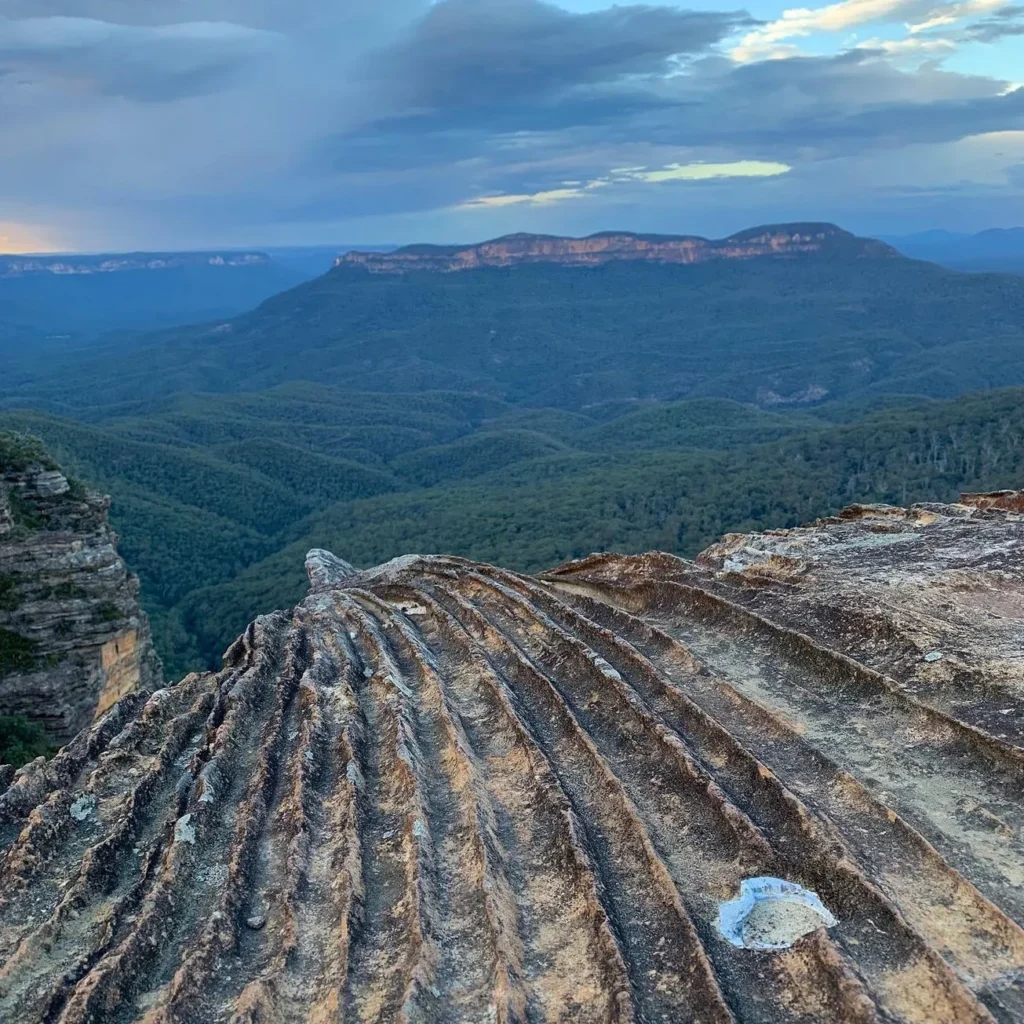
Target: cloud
{"points": [[145, 63], [1005, 22], [254, 121], [771, 40], [631, 175], [706, 171], [468, 53], [293, 17], [555, 195], [763, 42], [833, 106], [716, 113], [912, 45], [950, 13]]}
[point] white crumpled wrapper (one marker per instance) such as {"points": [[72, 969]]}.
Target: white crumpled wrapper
{"points": [[733, 915]]}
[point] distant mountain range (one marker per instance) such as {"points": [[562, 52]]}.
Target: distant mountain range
{"points": [[61, 298], [780, 240], [50, 301], [552, 397], [781, 316], [115, 263], [998, 249], [314, 260]]}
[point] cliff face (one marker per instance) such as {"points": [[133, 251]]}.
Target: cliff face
{"points": [[62, 266], [440, 791], [781, 241], [73, 639]]}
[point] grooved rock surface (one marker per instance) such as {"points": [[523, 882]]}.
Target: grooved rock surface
{"points": [[73, 639], [783, 240], [439, 791]]}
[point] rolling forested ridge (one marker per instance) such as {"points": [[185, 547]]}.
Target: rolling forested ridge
{"points": [[524, 416]]}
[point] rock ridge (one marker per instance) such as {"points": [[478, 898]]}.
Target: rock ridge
{"points": [[771, 241], [73, 639], [440, 791]]}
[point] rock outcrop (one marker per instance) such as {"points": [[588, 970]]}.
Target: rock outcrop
{"points": [[778, 241], [73, 639], [441, 791]]}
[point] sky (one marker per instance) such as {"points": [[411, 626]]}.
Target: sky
{"points": [[171, 124]]}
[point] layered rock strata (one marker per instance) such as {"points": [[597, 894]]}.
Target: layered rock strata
{"points": [[73, 639], [440, 791], [779, 241]]}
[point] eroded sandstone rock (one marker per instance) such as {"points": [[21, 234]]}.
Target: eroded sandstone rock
{"points": [[441, 791], [73, 639]]}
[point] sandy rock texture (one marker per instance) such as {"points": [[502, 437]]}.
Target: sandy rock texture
{"points": [[439, 791], [73, 639]]}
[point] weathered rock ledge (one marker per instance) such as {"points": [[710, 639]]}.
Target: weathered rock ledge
{"points": [[73, 639], [441, 791]]}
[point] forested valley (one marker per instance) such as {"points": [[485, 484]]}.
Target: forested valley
{"points": [[525, 417]]}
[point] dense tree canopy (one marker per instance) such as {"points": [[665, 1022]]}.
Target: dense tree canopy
{"points": [[217, 500]]}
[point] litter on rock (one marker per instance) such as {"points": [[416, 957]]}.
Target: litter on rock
{"points": [[771, 913]]}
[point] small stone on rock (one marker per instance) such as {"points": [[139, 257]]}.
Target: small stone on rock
{"points": [[82, 809], [184, 830]]}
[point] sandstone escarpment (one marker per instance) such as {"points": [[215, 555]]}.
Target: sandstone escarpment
{"points": [[73, 639], [779, 241], [441, 791]]}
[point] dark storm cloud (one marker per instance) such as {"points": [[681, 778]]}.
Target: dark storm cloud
{"points": [[145, 63], [470, 77], [326, 110], [464, 53], [499, 131], [1008, 21], [777, 108], [848, 102]]}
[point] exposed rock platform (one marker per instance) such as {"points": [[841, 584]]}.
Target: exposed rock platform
{"points": [[441, 791]]}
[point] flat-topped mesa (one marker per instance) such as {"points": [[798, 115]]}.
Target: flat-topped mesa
{"points": [[780, 241], [440, 791], [73, 639]]}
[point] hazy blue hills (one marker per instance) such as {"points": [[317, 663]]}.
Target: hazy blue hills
{"points": [[772, 332], [84, 296], [997, 249], [314, 260], [524, 415]]}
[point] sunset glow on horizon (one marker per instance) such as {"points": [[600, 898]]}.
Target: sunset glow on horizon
{"points": [[21, 239]]}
